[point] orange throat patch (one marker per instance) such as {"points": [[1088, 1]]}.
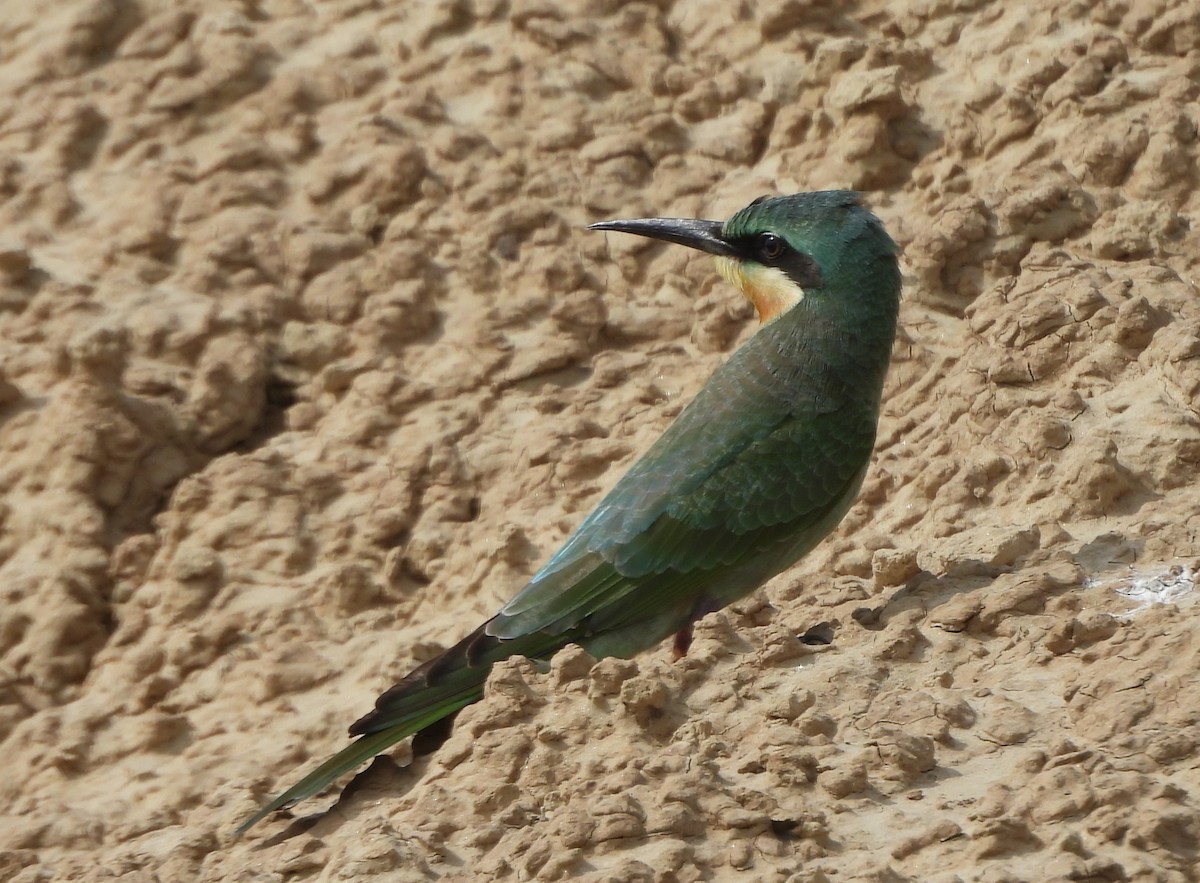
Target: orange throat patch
{"points": [[768, 288]]}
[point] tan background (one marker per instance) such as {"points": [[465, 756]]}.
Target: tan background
{"points": [[308, 361]]}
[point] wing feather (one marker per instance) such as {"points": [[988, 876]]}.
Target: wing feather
{"points": [[775, 489]]}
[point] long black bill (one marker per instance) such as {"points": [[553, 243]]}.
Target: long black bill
{"points": [[702, 235]]}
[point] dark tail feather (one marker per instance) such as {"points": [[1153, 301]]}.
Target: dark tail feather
{"points": [[433, 691], [464, 665], [359, 752], [454, 668]]}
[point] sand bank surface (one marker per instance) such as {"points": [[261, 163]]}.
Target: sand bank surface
{"points": [[308, 361]]}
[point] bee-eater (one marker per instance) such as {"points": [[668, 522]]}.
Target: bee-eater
{"points": [[763, 463]]}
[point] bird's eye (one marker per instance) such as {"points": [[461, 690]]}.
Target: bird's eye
{"points": [[771, 246]]}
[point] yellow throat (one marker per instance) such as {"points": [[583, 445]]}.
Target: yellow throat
{"points": [[768, 288]]}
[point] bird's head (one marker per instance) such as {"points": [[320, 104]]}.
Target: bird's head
{"points": [[780, 250]]}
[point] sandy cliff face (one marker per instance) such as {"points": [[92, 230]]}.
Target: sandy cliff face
{"points": [[308, 362]]}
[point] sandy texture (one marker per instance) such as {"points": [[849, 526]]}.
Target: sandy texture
{"points": [[307, 362]]}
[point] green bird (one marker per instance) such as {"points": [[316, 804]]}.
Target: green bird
{"points": [[762, 464]]}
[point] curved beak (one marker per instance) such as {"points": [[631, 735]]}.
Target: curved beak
{"points": [[698, 234]]}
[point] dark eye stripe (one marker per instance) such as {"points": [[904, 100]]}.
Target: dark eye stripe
{"points": [[798, 267]]}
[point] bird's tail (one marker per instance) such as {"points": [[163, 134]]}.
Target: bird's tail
{"points": [[433, 691]]}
